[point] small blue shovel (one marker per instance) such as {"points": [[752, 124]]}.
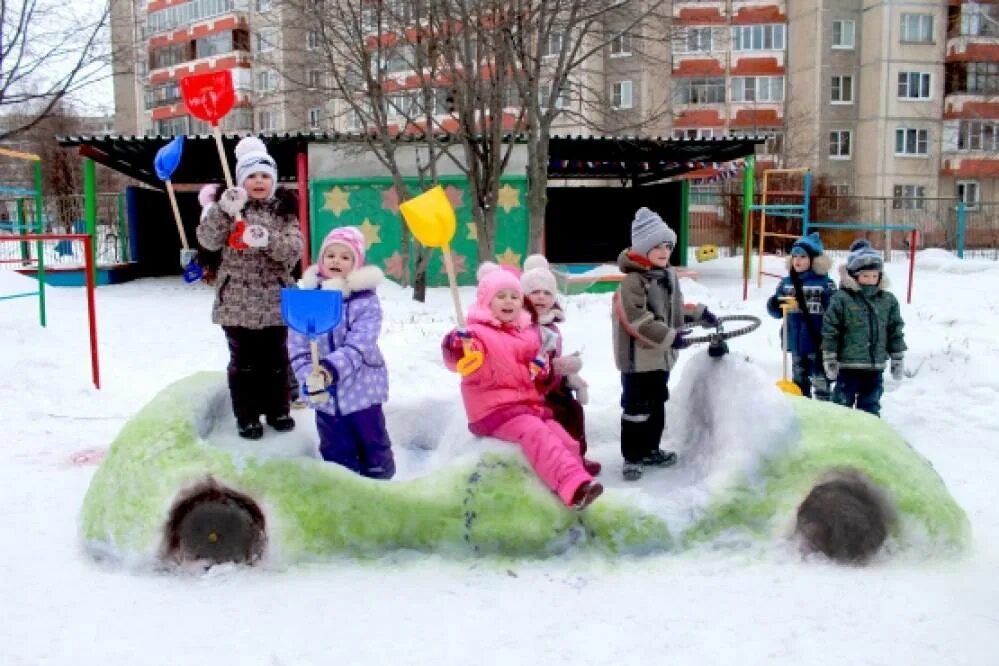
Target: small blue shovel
{"points": [[166, 162], [312, 312]]}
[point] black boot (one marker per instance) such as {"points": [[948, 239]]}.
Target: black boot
{"points": [[251, 429], [282, 423]]}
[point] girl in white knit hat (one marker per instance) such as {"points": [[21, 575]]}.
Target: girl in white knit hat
{"points": [[564, 390]]}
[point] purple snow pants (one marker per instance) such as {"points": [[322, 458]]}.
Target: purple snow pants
{"points": [[358, 441]]}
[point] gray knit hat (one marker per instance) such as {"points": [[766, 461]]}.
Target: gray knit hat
{"points": [[863, 257], [648, 230]]}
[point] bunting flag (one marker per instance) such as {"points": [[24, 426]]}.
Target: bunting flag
{"points": [[731, 167]]}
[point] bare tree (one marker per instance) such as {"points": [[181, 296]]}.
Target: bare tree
{"points": [[48, 50]]}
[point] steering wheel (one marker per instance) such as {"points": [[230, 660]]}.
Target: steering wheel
{"points": [[716, 340]]}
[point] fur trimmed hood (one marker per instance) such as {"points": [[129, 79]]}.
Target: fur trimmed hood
{"points": [[363, 279], [821, 265], [847, 281]]}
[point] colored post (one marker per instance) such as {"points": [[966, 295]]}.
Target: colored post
{"points": [[304, 223], [122, 231], [90, 204], [88, 253], [747, 201], [39, 248], [681, 238], [960, 229], [913, 239], [21, 226]]}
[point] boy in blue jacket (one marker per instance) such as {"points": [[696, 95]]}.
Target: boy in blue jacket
{"points": [[809, 287]]}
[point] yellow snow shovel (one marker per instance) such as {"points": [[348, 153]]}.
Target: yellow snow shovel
{"points": [[785, 384], [431, 218]]}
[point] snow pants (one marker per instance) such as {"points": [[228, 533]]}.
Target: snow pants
{"points": [[569, 414], [552, 452], [643, 399], [861, 389], [807, 373], [258, 371], [357, 441]]}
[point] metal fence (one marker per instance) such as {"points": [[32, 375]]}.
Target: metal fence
{"points": [[716, 218], [64, 215]]}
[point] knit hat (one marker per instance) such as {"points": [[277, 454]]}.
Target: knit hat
{"points": [[648, 231], [251, 158], [810, 246], [537, 275], [863, 257], [352, 238], [493, 278]]}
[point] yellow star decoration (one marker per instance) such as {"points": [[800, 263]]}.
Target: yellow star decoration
{"points": [[508, 198], [371, 232], [508, 258], [473, 233], [336, 201]]}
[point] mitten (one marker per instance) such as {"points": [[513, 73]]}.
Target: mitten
{"points": [[255, 235], [709, 318], [568, 365], [831, 365], [897, 367], [773, 304], [232, 201], [317, 381], [680, 339], [579, 385], [236, 241]]}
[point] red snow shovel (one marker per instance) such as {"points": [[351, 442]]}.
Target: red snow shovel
{"points": [[209, 97], [312, 312]]}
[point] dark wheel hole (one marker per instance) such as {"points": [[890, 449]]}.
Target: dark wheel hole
{"points": [[210, 523]]}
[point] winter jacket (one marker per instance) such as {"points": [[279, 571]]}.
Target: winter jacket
{"points": [[647, 310], [862, 327], [249, 282], [502, 387], [817, 288], [350, 351]]}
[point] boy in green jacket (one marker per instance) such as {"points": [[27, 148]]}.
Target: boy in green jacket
{"points": [[862, 332]]}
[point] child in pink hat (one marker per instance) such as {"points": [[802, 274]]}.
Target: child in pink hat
{"points": [[502, 397]]}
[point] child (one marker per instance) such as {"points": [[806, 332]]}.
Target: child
{"points": [[255, 225], [501, 398], [351, 423], [862, 331], [538, 283], [809, 287], [648, 314]]}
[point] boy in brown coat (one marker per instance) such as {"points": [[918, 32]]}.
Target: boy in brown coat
{"points": [[255, 225], [649, 316]]}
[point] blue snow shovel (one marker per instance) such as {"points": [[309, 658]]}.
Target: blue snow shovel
{"points": [[166, 162], [312, 312]]}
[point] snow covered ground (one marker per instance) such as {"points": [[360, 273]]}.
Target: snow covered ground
{"points": [[59, 607]]}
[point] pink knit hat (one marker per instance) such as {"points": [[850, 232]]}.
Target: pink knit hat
{"points": [[537, 275], [493, 278], [348, 236]]}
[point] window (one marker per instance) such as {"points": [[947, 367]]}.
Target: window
{"points": [[544, 95], [983, 77], [978, 135], [697, 40], [621, 95], [842, 90], [695, 132], [917, 28], [315, 116], [844, 34], [266, 120], [909, 197], [266, 40], [839, 144], [314, 78], [914, 85], [620, 45], [312, 40], [263, 5], [839, 190], [553, 46], [912, 141], [267, 81], [758, 37], [699, 91], [979, 19], [352, 120], [171, 126], [967, 192], [757, 88]]}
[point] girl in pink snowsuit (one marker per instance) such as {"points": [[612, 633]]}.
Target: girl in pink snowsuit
{"points": [[502, 398]]}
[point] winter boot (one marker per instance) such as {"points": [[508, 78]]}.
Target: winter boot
{"points": [[585, 494], [631, 471], [250, 429], [660, 458], [282, 423], [592, 467]]}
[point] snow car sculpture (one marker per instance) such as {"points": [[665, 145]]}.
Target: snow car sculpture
{"points": [[757, 468]]}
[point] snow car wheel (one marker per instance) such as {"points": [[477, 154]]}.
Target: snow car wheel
{"points": [[215, 524]]}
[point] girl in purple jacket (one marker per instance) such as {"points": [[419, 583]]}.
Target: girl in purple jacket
{"points": [[351, 423]]}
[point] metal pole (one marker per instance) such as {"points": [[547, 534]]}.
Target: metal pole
{"points": [[90, 207], [122, 229], [95, 364], [39, 248], [682, 237], [913, 238], [961, 215], [747, 201], [304, 224]]}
